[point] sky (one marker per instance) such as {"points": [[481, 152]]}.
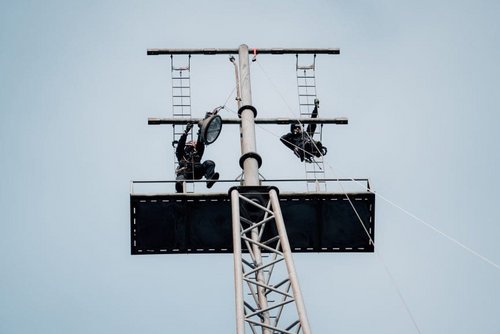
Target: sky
{"points": [[418, 82]]}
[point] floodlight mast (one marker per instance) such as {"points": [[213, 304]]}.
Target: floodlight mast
{"points": [[250, 166], [255, 198], [247, 114]]}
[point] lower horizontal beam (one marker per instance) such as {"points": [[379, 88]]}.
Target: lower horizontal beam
{"points": [[186, 120]]}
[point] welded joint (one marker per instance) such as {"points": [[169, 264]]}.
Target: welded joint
{"points": [[276, 329], [268, 287], [267, 309], [261, 267], [260, 244], [257, 225]]}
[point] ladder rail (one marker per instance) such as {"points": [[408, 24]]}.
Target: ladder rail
{"points": [[307, 94], [181, 105]]}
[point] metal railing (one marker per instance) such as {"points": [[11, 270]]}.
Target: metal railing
{"points": [[168, 186]]}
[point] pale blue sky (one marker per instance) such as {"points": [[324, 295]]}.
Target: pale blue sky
{"points": [[417, 80]]}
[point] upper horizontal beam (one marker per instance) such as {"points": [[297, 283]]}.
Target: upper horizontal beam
{"points": [[213, 51], [185, 120]]}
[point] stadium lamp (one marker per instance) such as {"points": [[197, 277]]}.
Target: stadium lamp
{"points": [[210, 128]]}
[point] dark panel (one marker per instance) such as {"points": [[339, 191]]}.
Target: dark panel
{"points": [[186, 223]]}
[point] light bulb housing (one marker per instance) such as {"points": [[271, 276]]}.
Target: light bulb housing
{"points": [[210, 129]]}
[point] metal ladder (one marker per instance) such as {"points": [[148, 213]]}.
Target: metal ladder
{"points": [[306, 89], [181, 104]]}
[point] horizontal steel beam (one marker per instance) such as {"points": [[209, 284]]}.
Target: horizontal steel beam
{"points": [[185, 120], [263, 181], [266, 182], [213, 51]]}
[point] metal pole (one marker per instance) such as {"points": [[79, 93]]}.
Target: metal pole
{"points": [[238, 99], [238, 266], [247, 129], [250, 163], [287, 254]]}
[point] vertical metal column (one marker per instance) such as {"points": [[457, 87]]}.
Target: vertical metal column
{"points": [[287, 254], [248, 146], [238, 266], [249, 161], [250, 227]]}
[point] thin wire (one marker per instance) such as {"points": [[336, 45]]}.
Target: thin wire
{"points": [[399, 292], [470, 250], [485, 259], [442, 233], [362, 224], [290, 109], [229, 96], [387, 200], [381, 259], [294, 115]]}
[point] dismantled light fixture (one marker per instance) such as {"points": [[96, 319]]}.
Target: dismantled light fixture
{"points": [[210, 127]]}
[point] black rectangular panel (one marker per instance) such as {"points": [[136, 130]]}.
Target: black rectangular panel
{"points": [[187, 223]]}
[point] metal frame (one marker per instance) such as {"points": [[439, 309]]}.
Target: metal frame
{"points": [[263, 314], [355, 180], [270, 308]]}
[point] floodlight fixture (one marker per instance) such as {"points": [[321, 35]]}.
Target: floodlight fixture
{"points": [[210, 127]]}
